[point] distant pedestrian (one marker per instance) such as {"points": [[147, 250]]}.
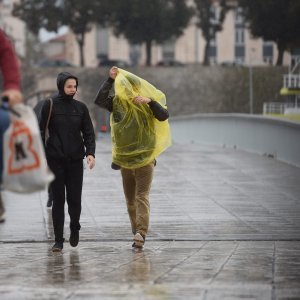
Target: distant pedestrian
{"points": [[11, 90], [71, 138], [140, 132]]}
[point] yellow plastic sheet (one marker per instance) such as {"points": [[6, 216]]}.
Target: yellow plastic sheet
{"points": [[137, 136]]}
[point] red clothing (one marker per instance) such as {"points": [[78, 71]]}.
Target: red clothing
{"points": [[8, 64]]}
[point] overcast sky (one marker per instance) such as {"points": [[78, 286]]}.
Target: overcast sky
{"points": [[45, 35]]}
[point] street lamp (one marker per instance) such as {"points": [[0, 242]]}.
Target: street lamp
{"points": [[250, 89], [251, 82]]}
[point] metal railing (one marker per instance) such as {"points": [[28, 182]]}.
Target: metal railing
{"points": [[291, 81], [276, 107], [294, 63]]}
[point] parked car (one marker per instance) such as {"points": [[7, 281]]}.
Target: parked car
{"points": [[232, 64], [170, 63], [55, 63], [113, 62]]}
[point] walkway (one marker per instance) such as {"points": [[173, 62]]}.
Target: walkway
{"points": [[225, 224]]}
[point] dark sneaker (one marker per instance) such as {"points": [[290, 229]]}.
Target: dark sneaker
{"points": [[49, 203], [57, 247], [2, 211], [138, 241], [74, 238], [115, 166], [2, 216]]}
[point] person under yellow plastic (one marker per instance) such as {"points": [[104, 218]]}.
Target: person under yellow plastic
{"points": [[140, 132]]}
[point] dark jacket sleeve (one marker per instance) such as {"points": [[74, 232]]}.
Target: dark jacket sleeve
{"points": [[88, 133], [159, 112], [43, 119], [103, 99]]}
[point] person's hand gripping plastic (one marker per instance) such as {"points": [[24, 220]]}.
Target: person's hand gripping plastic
{"points": [[14, 96], [113, 72], [141, 100]]}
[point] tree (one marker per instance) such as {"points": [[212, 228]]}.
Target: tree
{"points": [[274, 20], [38, 14], [51, 15], [150, 21], [79, 15], [210, 20]]}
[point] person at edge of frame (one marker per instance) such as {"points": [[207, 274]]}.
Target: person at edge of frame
{"points": [[12, 91], [37, 109]]}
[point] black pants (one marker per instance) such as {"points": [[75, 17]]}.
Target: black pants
{"points": [[68, 181]]}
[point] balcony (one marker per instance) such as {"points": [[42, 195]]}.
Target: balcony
{"points": [[291, 81]]}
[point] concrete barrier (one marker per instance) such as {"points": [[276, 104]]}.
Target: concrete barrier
{"points": [[264, 135]]}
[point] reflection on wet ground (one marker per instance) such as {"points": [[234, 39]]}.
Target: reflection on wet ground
{"points": [[63, 268], [164, 270], [225, 224]]}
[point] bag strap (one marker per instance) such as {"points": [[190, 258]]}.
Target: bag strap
{"points": [[49, 114]]}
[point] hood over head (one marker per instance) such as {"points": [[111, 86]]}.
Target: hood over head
{"points": [[61, 80]]}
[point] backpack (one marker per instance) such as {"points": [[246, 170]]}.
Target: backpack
{"points": [[38, 109]]}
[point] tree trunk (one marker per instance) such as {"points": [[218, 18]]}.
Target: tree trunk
{"points": [[148, 53], [281, 47], [80, 40], [206, 54]]}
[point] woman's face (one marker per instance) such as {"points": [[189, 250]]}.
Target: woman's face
{"points": [[70, 87]]}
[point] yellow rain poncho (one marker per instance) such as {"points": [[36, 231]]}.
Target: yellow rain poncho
{"points": [[137, 136]]}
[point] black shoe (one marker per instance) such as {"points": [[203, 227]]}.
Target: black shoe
{"points": [[2, 214], [57, 247], [49, 203], [2, 211], [2, 217], [115, 166], [74, 238]]}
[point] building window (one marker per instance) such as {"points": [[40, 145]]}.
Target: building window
{"points": [[239, 36], [296, 51], [295, 57], [239, 45], [168, 50], [239, 40], [135, 54], [239, 54], [268, 52], [239, 18], [213, 54], [102, 42], [214, 15]]}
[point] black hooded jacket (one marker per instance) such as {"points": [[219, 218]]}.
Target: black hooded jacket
{"points": [[71, 132]]}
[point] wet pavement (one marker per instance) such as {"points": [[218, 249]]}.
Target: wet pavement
{"points": [[225, 224]]}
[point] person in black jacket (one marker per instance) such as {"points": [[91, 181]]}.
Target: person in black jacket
{"points": [[71, 138], [134, 140]]}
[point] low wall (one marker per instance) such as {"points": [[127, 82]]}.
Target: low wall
{"points": [[190, 89], [267, 136]]}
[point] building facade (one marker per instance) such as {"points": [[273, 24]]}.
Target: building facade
{"points": [[231, 46]]}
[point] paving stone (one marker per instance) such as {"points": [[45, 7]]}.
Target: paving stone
{"points": [[225, 224]]}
